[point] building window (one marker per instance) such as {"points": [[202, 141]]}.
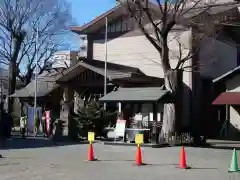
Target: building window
{"points": [[109, 28], [63, 58], [56, 59], [118, 26], [124, 26], [113, 27]]}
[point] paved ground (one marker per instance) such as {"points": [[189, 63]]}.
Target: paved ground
{"points": [[116, 162]]}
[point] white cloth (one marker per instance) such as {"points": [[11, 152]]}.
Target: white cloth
{"points": [[22, 122]]}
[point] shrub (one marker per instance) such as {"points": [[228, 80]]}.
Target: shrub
{"points": [[93, 118]]}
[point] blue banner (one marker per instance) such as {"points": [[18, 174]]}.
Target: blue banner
{"points": [[30, 117]]}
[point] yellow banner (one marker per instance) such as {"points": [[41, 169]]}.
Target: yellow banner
{"points": [[91, 136], [139, 139]]}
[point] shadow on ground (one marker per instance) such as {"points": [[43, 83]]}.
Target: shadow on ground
{"points": [[155, 164], [221, 147], [134, 163], [219, 144], [38, 142], [222, 144], [203, 168]]}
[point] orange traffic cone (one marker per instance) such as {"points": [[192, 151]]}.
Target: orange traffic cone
{"points": [[90, 153], [139, 156], [183, 164]]}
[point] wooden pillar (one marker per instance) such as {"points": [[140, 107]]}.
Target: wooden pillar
{"points": [[78, 102], [227, 120], [66, 108]]}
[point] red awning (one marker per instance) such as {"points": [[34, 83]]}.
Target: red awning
{"points": [[231, 98]]}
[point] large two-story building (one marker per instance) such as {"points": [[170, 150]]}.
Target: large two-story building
{"points": [[127, 46], [132, 61]]}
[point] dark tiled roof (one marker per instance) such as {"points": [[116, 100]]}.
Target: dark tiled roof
{"points": [[212, 9], [43, 89], [149, 94], [45, 84], [114, 71], [111, 74]]}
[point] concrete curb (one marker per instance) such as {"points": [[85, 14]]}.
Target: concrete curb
{"points": [[133, 144]]}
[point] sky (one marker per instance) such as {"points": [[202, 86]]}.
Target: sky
{"points": [[84, 11]]}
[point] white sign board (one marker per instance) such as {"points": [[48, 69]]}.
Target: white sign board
{"points": [[138, 117], [158, 116], [150, 116], [120, 128]]}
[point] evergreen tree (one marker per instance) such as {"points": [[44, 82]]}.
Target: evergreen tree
{"points": [[93, 118]]}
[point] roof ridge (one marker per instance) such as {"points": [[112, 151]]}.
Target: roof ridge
{"points": [[111, 63], [226, 74], [97, 18], [110, 11]]}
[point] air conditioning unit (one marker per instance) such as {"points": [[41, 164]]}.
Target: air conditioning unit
{"points": [[82, 54], [83, 38], [83, 46]]}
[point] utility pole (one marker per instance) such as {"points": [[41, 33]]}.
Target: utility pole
{"points": [[36, 71], [105, 64], [1, 81]]}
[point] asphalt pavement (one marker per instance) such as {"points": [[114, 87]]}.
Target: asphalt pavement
{"points": [[40, 159]]}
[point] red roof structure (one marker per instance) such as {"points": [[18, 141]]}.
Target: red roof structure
{"points": [[230, 98]]}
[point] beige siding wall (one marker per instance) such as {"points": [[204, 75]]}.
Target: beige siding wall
{"points": [[131, 51], [61, 58], [234, 117], [234, 86], [138, 52], [217, 57]]}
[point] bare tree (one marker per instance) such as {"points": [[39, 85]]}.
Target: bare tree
{"points": [[163, 17], [19, 23]]}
